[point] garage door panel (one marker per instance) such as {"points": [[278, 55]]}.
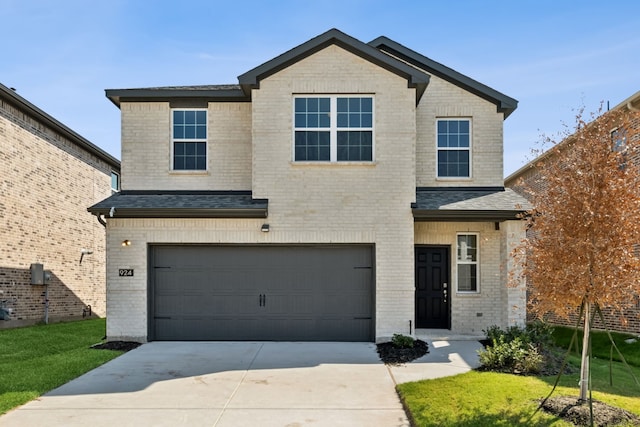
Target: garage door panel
{"points": [[165, 306], [262, 293]]}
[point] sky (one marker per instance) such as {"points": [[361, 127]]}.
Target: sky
{"points": [[554, 57]]}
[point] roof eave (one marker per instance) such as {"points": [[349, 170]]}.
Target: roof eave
{"points": [[59, 127], [465, 215], [182, 212], [632, 103], [116, 96]]}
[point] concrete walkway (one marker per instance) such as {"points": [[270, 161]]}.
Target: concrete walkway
{"points": [[226, 384]]}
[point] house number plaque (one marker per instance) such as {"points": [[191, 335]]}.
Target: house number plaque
{"points": [[125, 272]]}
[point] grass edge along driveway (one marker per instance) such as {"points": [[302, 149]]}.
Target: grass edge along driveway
{"points": [[37, 359]]}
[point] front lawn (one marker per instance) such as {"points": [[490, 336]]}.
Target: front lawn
{"points": [[601, 345], [495, 399], [36, 359], [477, 399]]}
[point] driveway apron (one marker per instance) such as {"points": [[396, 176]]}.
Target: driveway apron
{"points": [[226, 384]]}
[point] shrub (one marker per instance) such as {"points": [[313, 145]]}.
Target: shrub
{"points": [[402, 341], [516, 350], [540, 334]]}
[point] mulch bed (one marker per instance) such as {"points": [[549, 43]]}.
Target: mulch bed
{"points": [[117, 345], [570, 409], [392, 355]]}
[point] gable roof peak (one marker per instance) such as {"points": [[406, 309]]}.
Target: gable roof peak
{"points": [[415, 77], [504, 104]]}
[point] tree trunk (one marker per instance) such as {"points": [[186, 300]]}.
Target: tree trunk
{"points": [[586, 350]]}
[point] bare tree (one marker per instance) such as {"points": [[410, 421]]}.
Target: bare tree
{"points": [[581, 252]]}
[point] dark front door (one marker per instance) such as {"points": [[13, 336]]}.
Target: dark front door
{"points": [[432, 287]]}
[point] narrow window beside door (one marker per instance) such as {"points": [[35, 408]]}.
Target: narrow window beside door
{"points": [[467, 262]]}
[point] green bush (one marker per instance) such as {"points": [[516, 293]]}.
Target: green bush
{"points": [[541, 334], [517, 350], [538, 333], [402, 341]]}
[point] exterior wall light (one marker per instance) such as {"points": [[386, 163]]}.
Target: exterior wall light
{"points": [[264, 228], [126, 243]]}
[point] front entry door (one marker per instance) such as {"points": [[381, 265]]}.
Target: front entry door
{"points": [[432, 287]]}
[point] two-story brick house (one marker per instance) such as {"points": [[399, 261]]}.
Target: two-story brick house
{"points": [[340, 191], [48, 175]]}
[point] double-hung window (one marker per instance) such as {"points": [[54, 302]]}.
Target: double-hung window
{"points": [[454, 148], [189, 139], [467, 262], [333, 129]]}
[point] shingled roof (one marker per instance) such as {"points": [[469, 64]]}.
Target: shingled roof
{"points": [[382, 51], [467, 204], [181, 204], [221, 93]]}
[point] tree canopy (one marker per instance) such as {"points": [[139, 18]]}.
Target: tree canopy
{"points": [[584, 230]]}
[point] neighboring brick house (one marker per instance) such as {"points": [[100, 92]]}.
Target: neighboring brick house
{"points": [[528, 177], [49, 175], [341, 191]]}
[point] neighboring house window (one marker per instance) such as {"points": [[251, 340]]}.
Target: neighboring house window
{"points": [[619, 140], [619, 145], [333, 129], [115, 182], [454, 148], [467, 262], [189, 139]]}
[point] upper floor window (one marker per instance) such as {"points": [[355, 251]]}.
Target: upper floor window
{"points": [[454, 148], [619, 140], [115, 182], [333, 129], [189, 139], [467, 262]]}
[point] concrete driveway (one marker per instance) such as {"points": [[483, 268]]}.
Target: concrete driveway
{"points": [[225, 384]]}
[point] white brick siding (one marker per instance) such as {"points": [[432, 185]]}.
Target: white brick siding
{"points": [[146, 148], [516, 287], [369, 199], [441, 100]]}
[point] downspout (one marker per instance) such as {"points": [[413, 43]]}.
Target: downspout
{"points": [[101, 221]]}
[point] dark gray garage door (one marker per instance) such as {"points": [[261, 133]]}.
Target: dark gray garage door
{"points": [[282, 293]]}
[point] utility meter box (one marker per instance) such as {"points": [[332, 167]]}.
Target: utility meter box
{"points": [[37, 274]]}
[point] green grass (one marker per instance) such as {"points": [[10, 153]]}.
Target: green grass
{"points": [[493, 399], [477, 399], [36, 359], [601, 345]]}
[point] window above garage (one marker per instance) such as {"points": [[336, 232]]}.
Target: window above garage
{"points": [[454, 148], [333, 128], [189, 146]]}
